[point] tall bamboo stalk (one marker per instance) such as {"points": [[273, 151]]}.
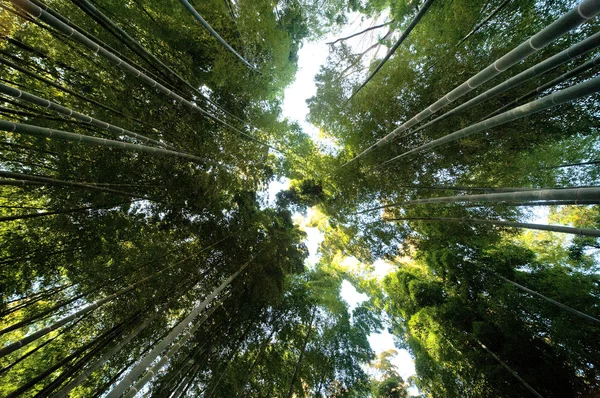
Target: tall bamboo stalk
{"points": [[392, 50], [548, 299], [140, 368], [56, 212], [95, 39], [564, 77], [132, 43], [570, 194], [54, 181], [65, 89], [302, 351], [149, 374], [38, 12], [575, 17], [512, 372], [16, 93], [569, 94], [511, 224], [36, 335], [576, 50], [64, 135], [203, 22], [104, 337]]}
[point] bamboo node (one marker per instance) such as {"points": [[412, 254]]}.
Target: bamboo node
{"points": [[581, 13], [530, 42]]}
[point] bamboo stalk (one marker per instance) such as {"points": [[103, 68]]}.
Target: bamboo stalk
{"points": [[548, 299], [16, 93], [64, 135], [203, 22], [569, 94], [576, 50], [392, 50], [512, 372], [66, 90], [511, 224], [140, 368], [36, 335], [97, 49], [565, 76], [573, 18], [52, 181], [570, 194], [174, 349]]}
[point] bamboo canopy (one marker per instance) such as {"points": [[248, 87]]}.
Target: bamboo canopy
{"points": [[569, 94], [575, 17]]}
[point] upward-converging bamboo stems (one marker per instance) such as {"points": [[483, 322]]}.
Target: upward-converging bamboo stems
{"points": [[36, 335], [560, 97], [576, 50], [578, 15], [16, 93], [539, 227], [564, 77], [140, 368], [63, 135], [38, 12]]}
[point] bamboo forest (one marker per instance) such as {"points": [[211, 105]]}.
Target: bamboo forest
{"points": [[300, 198]]}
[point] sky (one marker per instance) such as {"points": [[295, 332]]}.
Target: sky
{"points": [[311, 57]]}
